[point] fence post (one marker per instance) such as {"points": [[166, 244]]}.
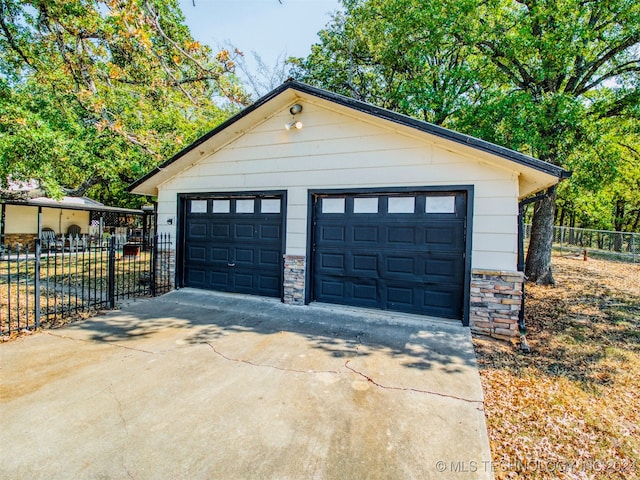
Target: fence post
{"points": [[36, 282], [111, 293], [154, 266]]}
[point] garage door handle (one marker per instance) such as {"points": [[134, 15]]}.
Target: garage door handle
{"points": [[231, 264]]}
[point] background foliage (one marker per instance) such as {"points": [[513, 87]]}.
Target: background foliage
{"points": [[94, 93], [554, 79]]}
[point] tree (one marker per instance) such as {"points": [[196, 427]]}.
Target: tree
{"points": [[398, 54], [262, 78], [570, 62], [93, 93], [604, 193], [531, 75]]}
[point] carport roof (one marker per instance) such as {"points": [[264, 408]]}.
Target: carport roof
{"points": [[71, 203], [235, 126]]}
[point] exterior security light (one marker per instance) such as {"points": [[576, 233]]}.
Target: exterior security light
{"points": [[295, 109], [294, 124]]}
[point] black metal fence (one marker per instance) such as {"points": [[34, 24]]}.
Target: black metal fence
{"points": [[66, 278]]}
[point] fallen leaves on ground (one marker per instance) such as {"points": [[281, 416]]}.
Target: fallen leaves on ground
{"points": [[571, 408]]}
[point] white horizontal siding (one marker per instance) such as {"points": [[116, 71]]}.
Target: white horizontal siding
{"points": [[335, 151], [495, 243], [492, 223]]}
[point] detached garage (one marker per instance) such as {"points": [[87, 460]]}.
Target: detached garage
{"points": [[310, 196]]}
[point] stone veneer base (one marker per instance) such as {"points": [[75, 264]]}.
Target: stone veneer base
{"points": [[294, 279], [496, 299], [11, 240]]}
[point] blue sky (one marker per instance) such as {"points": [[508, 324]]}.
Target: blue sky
{"points": [[264, 26]]}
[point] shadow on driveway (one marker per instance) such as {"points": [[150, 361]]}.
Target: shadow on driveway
{"points": [[205, 317], [196, 384]]}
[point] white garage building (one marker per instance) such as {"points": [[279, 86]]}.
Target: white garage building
{"points": [[310, 196]]}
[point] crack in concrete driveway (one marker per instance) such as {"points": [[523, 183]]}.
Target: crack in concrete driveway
{"points": [[327, 394]]}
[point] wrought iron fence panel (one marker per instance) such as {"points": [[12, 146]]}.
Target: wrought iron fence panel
{"points": [[64, 278]]}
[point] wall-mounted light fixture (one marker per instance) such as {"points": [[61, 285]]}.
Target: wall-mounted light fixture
{"points": [[295, 109], [297, 125]]}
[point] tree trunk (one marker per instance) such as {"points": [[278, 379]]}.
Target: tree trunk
{"points": [[538, 263], [563, 212], [636, 222]]}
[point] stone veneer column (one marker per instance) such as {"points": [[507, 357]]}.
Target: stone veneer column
{"points": [[294, 276], [165, 268], [496, 298], [24, 239]]}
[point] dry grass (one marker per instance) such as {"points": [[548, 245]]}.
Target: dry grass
{"points": [[571, 408]]}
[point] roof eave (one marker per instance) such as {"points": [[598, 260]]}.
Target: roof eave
{"points": [[139, 186], [224, 125]]}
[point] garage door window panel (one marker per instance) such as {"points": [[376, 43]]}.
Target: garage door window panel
{"points": [[270, 205], [221, 206], [401, 205], [365, 205], [199, 206], [245, 206], [440, 204], [333, 205]]}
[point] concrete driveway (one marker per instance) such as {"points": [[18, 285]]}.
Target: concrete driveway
{"points": [[199, 385]]}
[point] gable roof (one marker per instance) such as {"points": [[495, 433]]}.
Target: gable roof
{"points": [[292, 90]]}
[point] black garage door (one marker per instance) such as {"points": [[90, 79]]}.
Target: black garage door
{"points": [[403, 252], [234, 244]]}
